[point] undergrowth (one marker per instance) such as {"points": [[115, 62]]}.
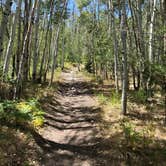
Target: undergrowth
{"points": [[113, 99], [135, 137], [22, 112], [140, 96]]}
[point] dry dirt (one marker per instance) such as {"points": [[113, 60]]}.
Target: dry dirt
{"points": [[71, 136]]}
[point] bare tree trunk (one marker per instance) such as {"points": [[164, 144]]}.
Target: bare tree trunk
{"points": [[36, 44], [43, 59], [55, 54], [151, 27], [115, 46], [151, 56], [4, 23], [11, 40], [56, 43], [49, 56], [63, 48], [124, 58], [18, 86], [28, 5], [19, 42]]}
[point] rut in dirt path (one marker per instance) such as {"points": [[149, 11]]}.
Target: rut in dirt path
{"points": [[71, 136]]}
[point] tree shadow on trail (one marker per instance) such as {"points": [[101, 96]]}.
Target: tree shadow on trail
{"points": [[76, 88], [76, 126]]}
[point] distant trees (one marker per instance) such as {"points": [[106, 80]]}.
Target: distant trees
{"points": [[123, 40], [27, 52], [126, 45]]}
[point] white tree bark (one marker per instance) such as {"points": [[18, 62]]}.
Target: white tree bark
{"points": [[11, 40], [115, 45], [151, 32], [56, 43], [124, 58], [46, 44], [36, 44], [19, 75]]}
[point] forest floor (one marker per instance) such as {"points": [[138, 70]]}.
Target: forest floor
{"points": [[82, 129]]}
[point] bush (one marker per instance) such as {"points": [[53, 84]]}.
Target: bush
{"points": [[140, 96], [115, 98], [23, 112], [134, 137], [102, 99]]}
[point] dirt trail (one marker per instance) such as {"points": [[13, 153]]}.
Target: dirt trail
{"points": [[71, 135]]}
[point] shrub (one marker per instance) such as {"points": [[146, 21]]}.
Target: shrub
{"points": [[102, 99], [134, 137], [23, 112], [131, 135], [115, 98], [140, 96]]}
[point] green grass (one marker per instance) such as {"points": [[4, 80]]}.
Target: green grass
{"points": [[139, 96], [113, 99]]}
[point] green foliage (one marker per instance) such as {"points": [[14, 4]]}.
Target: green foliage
{"points": [[131, 135], [158, 74], [102, 99], [113, 99], [23, 112], [142, 137], [82, 3], [140, 96]]}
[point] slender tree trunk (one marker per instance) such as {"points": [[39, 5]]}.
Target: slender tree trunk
{"points": [[124, 58], [49, 56], [115, 46], [63, 48], [19, 42], [151, 27], [28, 5], [43, 59], [151, 56], [11, 40], [4, 23], [56, 43], [55, 55], [18, 86], [36, 44]]}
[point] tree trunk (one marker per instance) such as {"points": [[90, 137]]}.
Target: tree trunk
{"points": [[63, 48], [124, 58], [18, 86], [36, 45], [151, 56], [151, 27], [4, 23], [26, 51], [43, 59], [115, 46], [56, 43], [11, 41]]}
